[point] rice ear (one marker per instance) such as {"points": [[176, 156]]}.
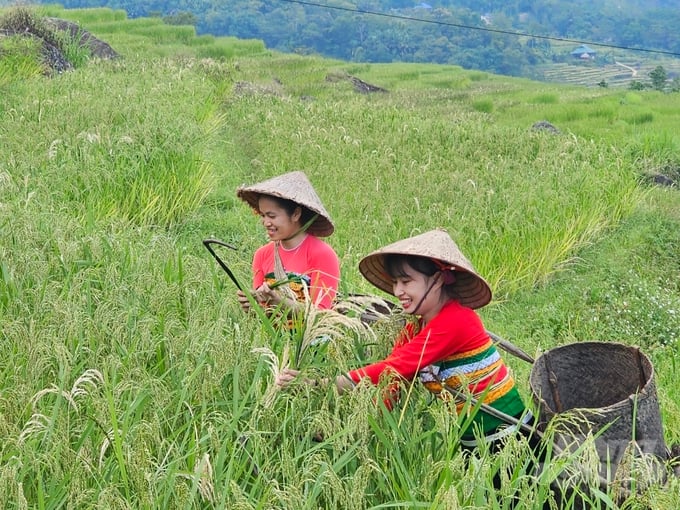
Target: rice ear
{"points": [[275, 366]]}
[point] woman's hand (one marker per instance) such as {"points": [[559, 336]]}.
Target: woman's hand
{"points": [[285, 377], [266, 295], [243, 300]]}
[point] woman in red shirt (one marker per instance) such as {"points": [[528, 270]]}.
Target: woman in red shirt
{"points": [[294, 219], [446, 344]]}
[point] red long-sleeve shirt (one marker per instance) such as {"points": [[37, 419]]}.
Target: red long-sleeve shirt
{"points": [[455, 350]]}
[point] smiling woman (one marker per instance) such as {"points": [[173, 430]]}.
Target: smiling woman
{"points": [[294, 219], [444, 344]]}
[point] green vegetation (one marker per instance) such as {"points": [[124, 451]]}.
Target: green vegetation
{"points": [[20, 58], [530, 39], [130, 376]]}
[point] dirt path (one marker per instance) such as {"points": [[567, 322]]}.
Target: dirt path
{"points": [[633, 72]]}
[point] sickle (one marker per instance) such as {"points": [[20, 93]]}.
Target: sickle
{"points": [[207, 243]]}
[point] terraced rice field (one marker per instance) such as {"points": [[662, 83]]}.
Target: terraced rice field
{"points": [[615, 75]]}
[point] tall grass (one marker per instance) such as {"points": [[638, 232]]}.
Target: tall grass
{"points": [[19, 60], [493, 186], [130, 376], [83, 16]]}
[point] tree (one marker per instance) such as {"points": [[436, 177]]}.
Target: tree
{"points": [[180, 18], [659, 77], [636, 85], [675, 85]]}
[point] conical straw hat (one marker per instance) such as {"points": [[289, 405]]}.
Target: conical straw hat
{"points": [[292, 186], [470, 288]]}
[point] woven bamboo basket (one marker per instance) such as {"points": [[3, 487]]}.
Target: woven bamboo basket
{"points": [[609, 384]]}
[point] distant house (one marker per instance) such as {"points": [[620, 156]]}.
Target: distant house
{"points": [[584, 52]]}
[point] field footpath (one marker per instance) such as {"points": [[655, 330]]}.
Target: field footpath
{"points": [[633, 72]]}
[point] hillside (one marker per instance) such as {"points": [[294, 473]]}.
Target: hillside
{"points": [[131, 376], [526, 39]]}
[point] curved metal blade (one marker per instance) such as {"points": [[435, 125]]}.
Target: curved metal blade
{"points": [[207, 243]]}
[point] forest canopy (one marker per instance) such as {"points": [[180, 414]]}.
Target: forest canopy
{"points": [[472, 34]]}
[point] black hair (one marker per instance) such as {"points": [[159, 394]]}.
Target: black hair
{"points": [[394, 265], [289, 206]]}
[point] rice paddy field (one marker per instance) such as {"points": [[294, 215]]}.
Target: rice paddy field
{"points": [[129, 376]]}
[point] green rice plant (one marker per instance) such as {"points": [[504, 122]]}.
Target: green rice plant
{"points": [[20, 20], [476, 76], [139, 25], [75, 53], [203, 40], [82, 16], [115, 27], [166, 34], [569, 114], [483, 106], [99, 269], [448, 195], [640, 118], [160, 191], [227, 48], [660, 145], [19, 59], [546, 99], [604, 113], [67, 430], [8, 289], [633, 98], [307, 339], [411, 75]]}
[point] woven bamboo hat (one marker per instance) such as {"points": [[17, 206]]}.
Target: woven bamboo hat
{"points": [[292, 186], [470, 288]]}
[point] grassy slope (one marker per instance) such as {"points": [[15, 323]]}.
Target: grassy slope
{"points": [[102, 209]]}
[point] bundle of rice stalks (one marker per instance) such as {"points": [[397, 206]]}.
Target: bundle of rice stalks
{"points": [[315, 335]]}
